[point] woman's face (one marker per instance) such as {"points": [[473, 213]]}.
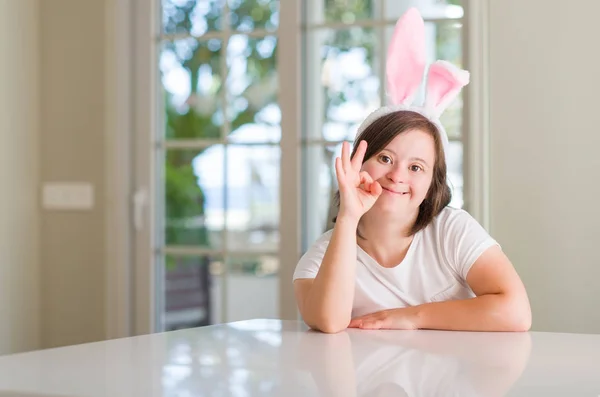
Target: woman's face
{"points": [[404, 169]]}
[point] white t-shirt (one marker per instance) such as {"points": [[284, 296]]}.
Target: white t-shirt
{"points": [[435, 267]]}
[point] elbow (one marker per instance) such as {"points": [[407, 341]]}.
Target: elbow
{"points": [[523, 322], [517, 325], [332, 328], [519, 317], [328, 325]]}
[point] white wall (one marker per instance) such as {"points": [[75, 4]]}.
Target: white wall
{"points": [[52, 128], [73, 106], [545, 154], [19, 176]]}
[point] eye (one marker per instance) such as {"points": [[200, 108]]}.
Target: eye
{"points": [[416, 168], [385, 159]]}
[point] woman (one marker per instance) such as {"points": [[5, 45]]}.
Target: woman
{"points": [[398, 257]]}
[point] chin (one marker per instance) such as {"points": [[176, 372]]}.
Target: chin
{"points": [[392, 208], [389, 207]]}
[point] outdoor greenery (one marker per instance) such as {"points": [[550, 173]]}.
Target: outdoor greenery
{"points": [[202, 115]]}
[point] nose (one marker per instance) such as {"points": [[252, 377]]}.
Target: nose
{"points": [[397, 174]]}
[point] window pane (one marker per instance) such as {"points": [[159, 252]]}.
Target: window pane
{"points": [[252, 107], [248, 15], [344, 88], [429, 9], [347, 11], [252, 287], [455, 173], [320, 186], [448, 44], [194, 197], [195, 17], [448, 41], [253, 197], [189, 294], [192, 82]]}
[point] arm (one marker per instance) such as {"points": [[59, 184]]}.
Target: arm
{"points": [[501, 303], [325, 302]]}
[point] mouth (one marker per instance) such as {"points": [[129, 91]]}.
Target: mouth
{"points": [[394, 192]]}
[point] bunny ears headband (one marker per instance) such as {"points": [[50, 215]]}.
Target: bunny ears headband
{"points": [[404, 71]]}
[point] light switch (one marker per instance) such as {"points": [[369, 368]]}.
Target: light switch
{"points": [[68, 196]]}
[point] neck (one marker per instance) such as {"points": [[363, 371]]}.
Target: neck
{"points": [[385, 238], [384, 227]]}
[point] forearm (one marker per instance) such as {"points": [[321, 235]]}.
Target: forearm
{"points": [[328, 305], [493, 312]]}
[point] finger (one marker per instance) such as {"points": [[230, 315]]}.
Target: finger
{"points": [[365, 178], [360, 319], [365, 181], [355, 323], [365, 325], [376, 189], [359, 155], [376, 324], [346, 157], [339, 171]]}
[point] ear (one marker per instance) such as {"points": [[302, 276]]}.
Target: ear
{"points": [[406, 58], [444, 82]]}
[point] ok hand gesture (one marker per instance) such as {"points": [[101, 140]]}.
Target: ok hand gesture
{"points": [[358, 191]]}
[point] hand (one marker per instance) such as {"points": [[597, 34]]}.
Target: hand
{"points": [[358, 191], [404, 318]]}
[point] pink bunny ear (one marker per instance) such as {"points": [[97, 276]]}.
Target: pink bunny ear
{"points": [[406, 58], [444, 82]]}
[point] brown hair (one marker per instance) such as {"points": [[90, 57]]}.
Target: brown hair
{"points": [[382, 131]]}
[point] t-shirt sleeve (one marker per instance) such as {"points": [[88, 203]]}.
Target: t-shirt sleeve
{"points": [[309, 264], [465, 240]]}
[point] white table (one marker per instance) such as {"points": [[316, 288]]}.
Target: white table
{"points": [[282, 358]]}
